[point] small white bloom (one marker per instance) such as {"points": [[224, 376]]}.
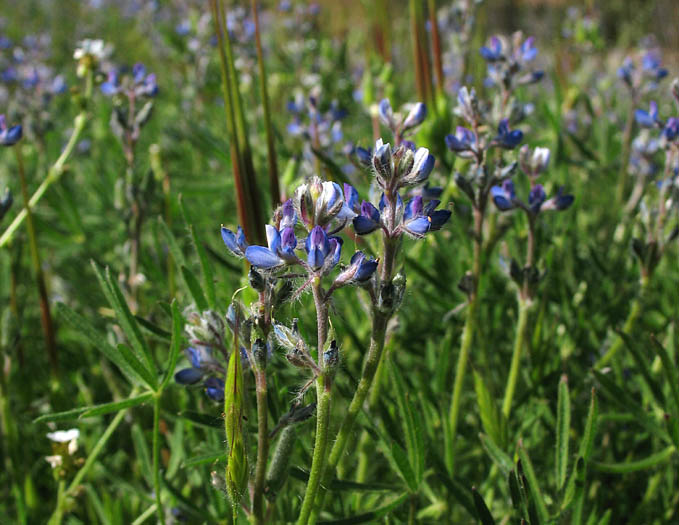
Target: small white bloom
{"points": [[54, 461], [64, 436], [93, 47]]}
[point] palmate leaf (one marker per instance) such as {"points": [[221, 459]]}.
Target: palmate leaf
{"points": [[492, 420], [123, 358], [402, 464], [125, 318]]}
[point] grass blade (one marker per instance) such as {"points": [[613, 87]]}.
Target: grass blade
{"points": [[563, 426]]}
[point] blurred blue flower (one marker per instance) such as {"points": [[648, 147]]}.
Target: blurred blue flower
{"points": [[506, 138], [647, 119], [9, 135]]}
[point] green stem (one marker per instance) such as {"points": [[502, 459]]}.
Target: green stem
{"points": [[630, 322], [55, 172], [460, 374], [45, 315], [262, 448], [156, 458], [380, 319], [467, 335], [519, 343], [323, 399]]}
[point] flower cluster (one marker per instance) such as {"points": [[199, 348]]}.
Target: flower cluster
{"points": [[509, 61], [533, 163], [138, 84]]}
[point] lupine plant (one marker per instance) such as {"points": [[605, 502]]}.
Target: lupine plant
{"points": [[455, 302]]}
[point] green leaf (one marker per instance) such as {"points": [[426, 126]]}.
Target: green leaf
{"points": [[633, 466], [338, 485], [141, 453], [131, 358], [124, 317], [533, 485], [205, 266], [172, 245], [203, 459], [670, 371], [153, 329], [413, 424], [482, 512], [175, 345], [130, 367], [491, 419], [95, 410], [499, 457], [563, 426], [369, 517], [623, 399], [643, 367], [194, 288], [587, 443], [203, 420], [403, 466]]}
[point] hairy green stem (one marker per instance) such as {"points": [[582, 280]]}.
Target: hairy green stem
{"points": [[630, 323], [323, 399], [45, 315], [262, 448], [57, 169], [519, 343], [380, 320]]}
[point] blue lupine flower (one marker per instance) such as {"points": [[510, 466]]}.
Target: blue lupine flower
{"points": [[506, 138], [651, 64], [528, 49], [288, 215], [626, 71], [322, 251], [494, 51], [9, 135], [415, 117], [463, 142], [536, 197], [364, 155], [559, 202], [437, 218], [236, 243], [112, 85], [214, 388], [319, 203], [351, 198], [386, 113], [281, 249], [202, 363], [504, 196], [369, 219], [414, 220], [671, 130], [360, 270], [423, 164], [647, 119]]}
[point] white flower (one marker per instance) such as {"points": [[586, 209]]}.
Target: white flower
{"points": [[66, 436], [63, 436], [54, 461], [93, 47]]}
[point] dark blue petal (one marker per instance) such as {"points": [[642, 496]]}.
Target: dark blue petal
{"points": [[188, 376], [365, 270], [364, 225], [214, 389], [438, 218]]}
